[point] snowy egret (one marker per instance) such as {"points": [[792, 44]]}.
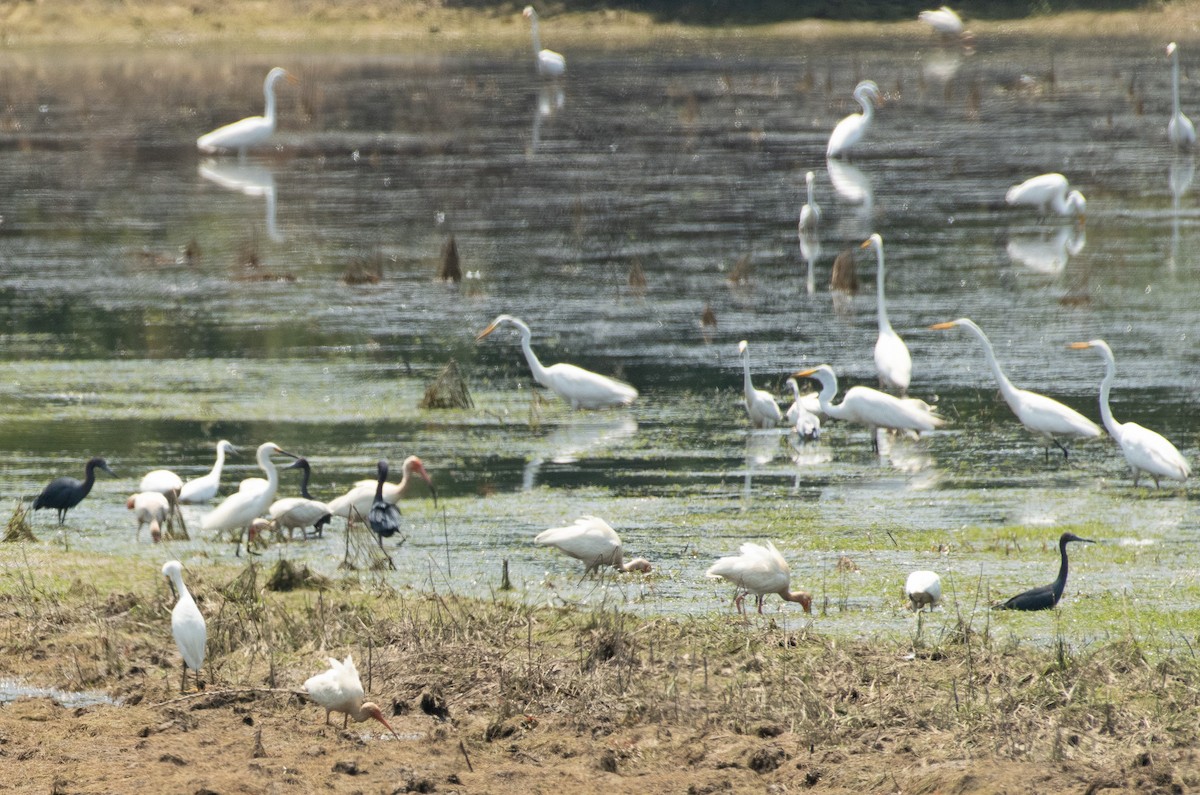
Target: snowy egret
{"points": [[303, 511], [1046, 596], [759, 570], [204, 488], [549, 63], [63, 494], [923, 589], [802, 415], [359, 499], [187, 623], [1145, 450], [871, 407], [760, 405], [340, 690], [591, 540], [1180, 130], [1048, 192], [237, 510], [581, 388], [892, 359], [1041, 415], [149, 507], [252, 130], [383, 517], [810, 213], [850, 130]]}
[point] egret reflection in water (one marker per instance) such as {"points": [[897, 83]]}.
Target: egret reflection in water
{"points": [[250, 180], [810, 250], [568, 443], [550, 100], [1048, 251], [855, 187], [1179, 177]]}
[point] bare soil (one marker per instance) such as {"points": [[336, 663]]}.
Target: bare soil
{"points": [[494, 696]]}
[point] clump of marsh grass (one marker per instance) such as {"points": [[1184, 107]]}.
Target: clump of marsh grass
{"points": [[448, 391], [19, 528]]}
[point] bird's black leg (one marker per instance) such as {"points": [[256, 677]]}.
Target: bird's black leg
{"points": [[1061, 446]]}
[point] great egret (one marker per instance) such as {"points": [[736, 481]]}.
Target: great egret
{"points": [[238, 510], [1144, 449], [944, 21], [300, 512], [810, 213], [581, 388], [250, 131], [63, 494], [149, 507], [384, 517], [360, 498], [1180, 130], [1043, 416], [760, 405], [802, 415], [591, 540], [759, 570], [870, 407], [923, 589], [892, 359], [204, 488], [187, 623], [1046, 596], [850, 130], [340, 690], [1049, 193], [549, 63]]}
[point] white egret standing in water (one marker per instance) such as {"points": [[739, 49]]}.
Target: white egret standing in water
{"points": [[549, 63], [1145, 450], [760, 405], [944, 21], [582, 388], [250, 131], [892, 359], [1049, 193], [238, 510], [810, 213], [1044, 416], [870, 407], [850, 130], [1180, 130]]}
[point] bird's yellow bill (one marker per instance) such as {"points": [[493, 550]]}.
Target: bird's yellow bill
{"points": [[941, 326], [485, 332], [291, 78], [1079, 346], [804, 373], [865, 243]]}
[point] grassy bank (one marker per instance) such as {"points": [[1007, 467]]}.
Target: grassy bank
{"points": [[489, 694]]}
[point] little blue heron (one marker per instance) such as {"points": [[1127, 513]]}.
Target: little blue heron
{"points": [[63, 494], [384, 516], [1046, 596]]}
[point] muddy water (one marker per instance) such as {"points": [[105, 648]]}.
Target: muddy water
{"points": [[156, 301]]}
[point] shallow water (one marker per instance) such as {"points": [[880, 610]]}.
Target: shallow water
{"points": [[677, 163]]}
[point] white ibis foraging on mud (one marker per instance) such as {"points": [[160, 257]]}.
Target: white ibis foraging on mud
{"points": [[759, 570], [149, 507], [582, 388], [1046, 596], [592, 541], [923, 589], [187, 624], [63, 494], [204, 488], [252, 130], [1044, 416], [850, 130], [1146, 450], [340, 690]]}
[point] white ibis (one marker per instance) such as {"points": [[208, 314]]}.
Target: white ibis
{"points": [[300, 512], [592, 541], [149, 507], [340, 690], [759, 570], [923, 589]]}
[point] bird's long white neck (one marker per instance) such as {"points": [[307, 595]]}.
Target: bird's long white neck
{"points": [[881, 310], [868, 109], [266, 465], [829, 387], [747, 384], [1175, 81], [180, 588], [539, 372], [1006, 387], [269, 96], [533, 29], [220, 463], [1110, 373], [811, 201]]}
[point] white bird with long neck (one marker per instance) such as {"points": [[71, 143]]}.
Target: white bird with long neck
{"points": [[1145, 450], [892, 359], [760, 405], [149, 507], [187, 623], [340, 690], [357, 502], [593, 541], [1042, 415], [204, 488], [803, 414], [759, 570], [923, 589], [238, 510], [1180, 130], [581, 388], [944, 21], [850, 130], [810, 213], [251, 131], [1049, 193], [870, 407], [549, 63]]}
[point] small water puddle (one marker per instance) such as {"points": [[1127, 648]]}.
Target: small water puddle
{"points": [[14, 690]]}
